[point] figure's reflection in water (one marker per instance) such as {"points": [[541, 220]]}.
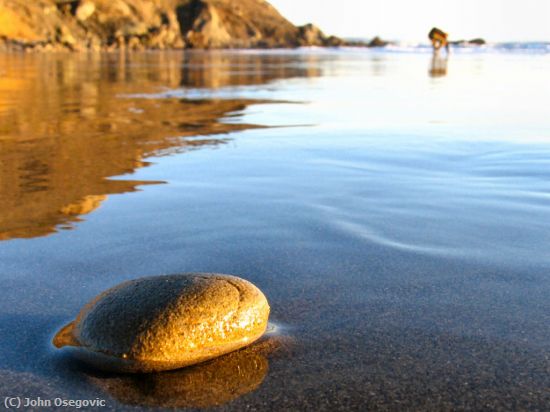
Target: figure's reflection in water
{"points": [[439, 63], [205, 385], [65, 129]]}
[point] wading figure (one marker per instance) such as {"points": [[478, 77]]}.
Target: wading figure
{"points": [[438, 38]]}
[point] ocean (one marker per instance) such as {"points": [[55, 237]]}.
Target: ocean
{"points": [[394, 207]]}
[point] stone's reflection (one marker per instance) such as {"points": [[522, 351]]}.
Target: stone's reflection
{"points": [[65, 129], [205, 385], [438, 66]]}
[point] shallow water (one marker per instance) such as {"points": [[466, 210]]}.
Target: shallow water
{"points": [[395, 210]]}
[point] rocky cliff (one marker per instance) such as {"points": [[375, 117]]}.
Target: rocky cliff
{"points": [[151, 24]]}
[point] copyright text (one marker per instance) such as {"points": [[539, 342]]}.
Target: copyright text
{"points": [[19, 402]]}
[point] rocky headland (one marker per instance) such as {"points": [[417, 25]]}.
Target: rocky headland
{"points": [[151, 24]]}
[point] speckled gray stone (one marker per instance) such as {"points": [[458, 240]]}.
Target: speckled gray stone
{"points": [[166, 322]]}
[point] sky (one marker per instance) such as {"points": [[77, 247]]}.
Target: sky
{"points": [[410, 20]]}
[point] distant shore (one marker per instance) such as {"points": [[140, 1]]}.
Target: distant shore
{"points": [[103, 25]]}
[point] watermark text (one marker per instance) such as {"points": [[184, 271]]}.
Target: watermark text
{"points": [[20, 402]]}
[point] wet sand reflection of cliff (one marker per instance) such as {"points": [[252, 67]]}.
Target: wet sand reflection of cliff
{"points": [[219, 69], [64, 130]]}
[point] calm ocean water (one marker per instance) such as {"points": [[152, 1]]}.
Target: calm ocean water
{"points": [[393, 206]]}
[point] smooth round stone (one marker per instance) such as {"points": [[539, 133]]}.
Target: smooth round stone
{"points": [[166, 322]]}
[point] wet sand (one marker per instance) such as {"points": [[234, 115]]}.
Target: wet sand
{"points": [[405, 261]]}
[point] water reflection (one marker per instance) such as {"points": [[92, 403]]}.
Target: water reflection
{"points": [[438, 66], [64, 129], [205, 385], [214, 70]]}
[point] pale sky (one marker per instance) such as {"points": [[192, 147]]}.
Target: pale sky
{"points": [[410, 20]]}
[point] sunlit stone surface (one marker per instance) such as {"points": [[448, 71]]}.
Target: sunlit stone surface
{"points": [[166, 322]]}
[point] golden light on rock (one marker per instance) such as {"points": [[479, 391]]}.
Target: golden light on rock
{"points": [[209, 384]]}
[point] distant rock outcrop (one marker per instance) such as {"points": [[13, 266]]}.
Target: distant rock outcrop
{"points": [[374, 42], [378, 42], [477, 42], [311, 35], [151, 24], [472, 42]]}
